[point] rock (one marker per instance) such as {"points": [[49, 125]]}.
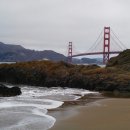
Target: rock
{"points": [[122, 59], [7, 92]]}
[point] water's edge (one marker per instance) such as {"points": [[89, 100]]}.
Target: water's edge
{"points": [[33, 109]]}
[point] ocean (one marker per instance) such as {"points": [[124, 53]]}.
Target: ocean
{"points": [[29, 111]]}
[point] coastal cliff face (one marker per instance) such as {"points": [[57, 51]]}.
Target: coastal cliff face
{"points": [[115, 77]]}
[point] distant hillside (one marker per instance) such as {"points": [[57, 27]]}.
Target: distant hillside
{"points": [[91, 61], [16, 53], [87, 61]]}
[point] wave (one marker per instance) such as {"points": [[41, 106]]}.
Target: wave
{"points": [[29, 111]]}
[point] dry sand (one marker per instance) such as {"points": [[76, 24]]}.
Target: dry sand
{"points": [[108, 114]]}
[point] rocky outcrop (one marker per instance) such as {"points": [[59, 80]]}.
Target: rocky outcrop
{"points": [[115, 77], [6, 92], [121, 61]]}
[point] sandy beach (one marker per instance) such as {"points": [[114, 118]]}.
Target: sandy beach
{"points": [[106, 114]]}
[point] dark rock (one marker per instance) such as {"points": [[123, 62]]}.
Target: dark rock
{"points": [[6, 92], [49, 74]]}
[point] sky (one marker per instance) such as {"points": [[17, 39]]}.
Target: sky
{"points": [[51, 24]]}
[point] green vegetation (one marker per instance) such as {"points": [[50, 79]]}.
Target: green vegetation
{"points": [[115, 77], [122, 61]]}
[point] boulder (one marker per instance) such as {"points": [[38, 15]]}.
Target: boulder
{"points": [[7, 92]]}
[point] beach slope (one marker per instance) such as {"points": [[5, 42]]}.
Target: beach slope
{"points": [[108, 114]]}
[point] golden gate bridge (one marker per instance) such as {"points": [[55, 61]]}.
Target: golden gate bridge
{"points": [[106, 40]]}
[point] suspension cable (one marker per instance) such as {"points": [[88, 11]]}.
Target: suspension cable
{"points": [[95, 43], [122, 44], [117, 43], [94, 48]]}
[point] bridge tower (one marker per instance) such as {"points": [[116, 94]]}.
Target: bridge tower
{"points": [[70, 53], [106, 45]]}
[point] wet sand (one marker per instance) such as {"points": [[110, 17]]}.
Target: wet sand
{"points": [[106, 114]]}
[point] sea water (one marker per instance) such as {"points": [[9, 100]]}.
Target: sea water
{"points": [[29, 111]]}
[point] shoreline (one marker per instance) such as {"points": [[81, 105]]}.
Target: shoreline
{"points": [[72, 105], [105, 114]]}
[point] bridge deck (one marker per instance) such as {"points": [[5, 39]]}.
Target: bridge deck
{"points": [[96, 53]]}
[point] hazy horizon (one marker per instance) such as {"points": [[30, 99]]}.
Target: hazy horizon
{"points": [[50, 25]]}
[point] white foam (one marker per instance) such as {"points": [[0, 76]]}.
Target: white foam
{"points": [[88, 92], [60, 94], [50, 104], [36, 108], [36, 111], [30, 108]]}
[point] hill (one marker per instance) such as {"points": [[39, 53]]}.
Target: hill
{"points": [[16, 53], [121, 61], [91, 61]]}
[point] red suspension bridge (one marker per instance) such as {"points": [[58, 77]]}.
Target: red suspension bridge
{"points": [[102, 46]]}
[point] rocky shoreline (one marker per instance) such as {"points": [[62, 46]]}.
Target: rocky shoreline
{"points": [[115, 77], [7, 92]]}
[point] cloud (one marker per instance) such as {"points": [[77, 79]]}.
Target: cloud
{"points": [[51, 24]]}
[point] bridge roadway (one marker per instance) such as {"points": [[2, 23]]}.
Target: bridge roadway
{"points": [[96, 53]]}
